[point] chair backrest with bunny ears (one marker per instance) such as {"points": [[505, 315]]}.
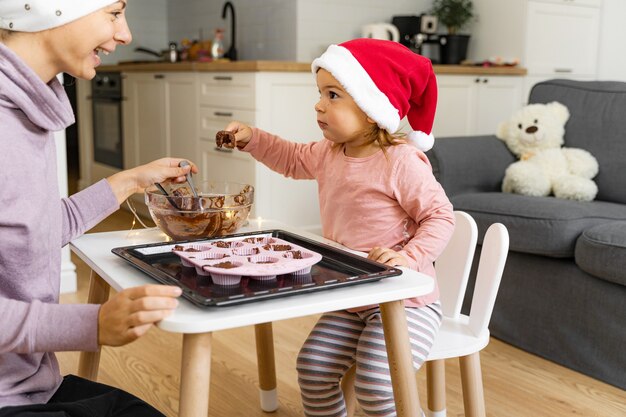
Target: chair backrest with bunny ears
{"points": [[454, 264], [493, 256]]}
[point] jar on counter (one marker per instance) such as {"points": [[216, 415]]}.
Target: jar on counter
{"points": [[173, 55], [217, 48]]}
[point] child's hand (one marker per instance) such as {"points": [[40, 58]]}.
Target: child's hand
{"points": [[387, 256], [130, 313], [243, 133]]}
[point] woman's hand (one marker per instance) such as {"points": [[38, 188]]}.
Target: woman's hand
{"points": [[243, 133], [387, 256], [130, 313], [135, 180]]}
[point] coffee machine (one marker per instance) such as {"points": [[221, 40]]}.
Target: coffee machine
{"points": [[419, 33]]}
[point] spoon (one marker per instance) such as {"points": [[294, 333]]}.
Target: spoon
{"points": [[183, 164], [166, 194], [191, 184]]}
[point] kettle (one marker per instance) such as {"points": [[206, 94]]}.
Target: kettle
{"points": [[385, 31]]}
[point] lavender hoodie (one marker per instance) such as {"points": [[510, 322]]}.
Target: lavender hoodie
{"points": [[35, 223]]}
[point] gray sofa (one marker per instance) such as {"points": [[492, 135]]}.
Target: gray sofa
{"points": [[563, 292]]}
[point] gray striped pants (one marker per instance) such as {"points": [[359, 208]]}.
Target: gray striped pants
{"points": [[338, 340]]}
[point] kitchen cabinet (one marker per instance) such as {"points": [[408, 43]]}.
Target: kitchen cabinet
{"points": [[159, 113], [280, 103], [475, 105], [553, 38]]}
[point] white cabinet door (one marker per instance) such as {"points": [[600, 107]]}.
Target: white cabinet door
{"points": [[455, 105], [182, 115], [497, 99], [562, 38], [475, 105], [285, 107], [160, 117], [144, 118]]}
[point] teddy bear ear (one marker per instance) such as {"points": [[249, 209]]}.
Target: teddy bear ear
{"points": [[502, 131], [559, 111]]}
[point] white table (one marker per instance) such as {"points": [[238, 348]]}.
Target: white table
{"points": [[197, 325]]}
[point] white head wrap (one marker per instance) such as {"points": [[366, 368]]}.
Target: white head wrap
{"points": [[38, 15]]}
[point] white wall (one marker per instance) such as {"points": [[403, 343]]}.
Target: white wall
{"points": [[264, 29], [324, 22], [300, 30], [292, 30]]}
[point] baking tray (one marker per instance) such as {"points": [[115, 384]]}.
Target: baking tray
{"points": [[337, 268]]}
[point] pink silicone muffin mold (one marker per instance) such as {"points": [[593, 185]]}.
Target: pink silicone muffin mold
{"points": [[260, 258], [192, 250]]}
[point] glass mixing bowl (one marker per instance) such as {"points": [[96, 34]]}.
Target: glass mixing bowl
{"points": [[221, 208]]}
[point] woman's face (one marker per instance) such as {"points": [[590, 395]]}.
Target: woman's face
{"points": [[75, 47], [339, 117]]}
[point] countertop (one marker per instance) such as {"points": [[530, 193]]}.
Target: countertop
{"points": [[287, 66]]}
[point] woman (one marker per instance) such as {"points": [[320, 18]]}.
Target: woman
{"points": [[39, 39]]}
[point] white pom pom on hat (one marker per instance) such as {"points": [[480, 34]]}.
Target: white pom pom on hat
{"points": [[38, 15], [387, 81]]}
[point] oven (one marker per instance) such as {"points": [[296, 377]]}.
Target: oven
{"points": [[106, 96]]}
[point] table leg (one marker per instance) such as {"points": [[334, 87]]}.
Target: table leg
{"points": [[89, 361], [400, 359], [195, 375], [267, 366]]}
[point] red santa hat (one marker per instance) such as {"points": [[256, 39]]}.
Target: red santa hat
{"points": [[387, 81]]}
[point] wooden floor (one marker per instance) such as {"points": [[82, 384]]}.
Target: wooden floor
{"points": [[517, 384]]}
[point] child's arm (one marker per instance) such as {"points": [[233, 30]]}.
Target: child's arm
{"points": [[294, 160]]}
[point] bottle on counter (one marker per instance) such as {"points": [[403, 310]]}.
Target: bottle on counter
{"points": [[173, 55], [217, 48]]}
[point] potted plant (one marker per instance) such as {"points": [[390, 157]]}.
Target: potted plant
{"points": [[454, 14]]}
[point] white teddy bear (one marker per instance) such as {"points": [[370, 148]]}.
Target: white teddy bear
{"points": [[535, 134]]}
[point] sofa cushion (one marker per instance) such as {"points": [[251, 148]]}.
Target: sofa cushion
{"points": [[538, 225], [596, 124], [601, 251]]}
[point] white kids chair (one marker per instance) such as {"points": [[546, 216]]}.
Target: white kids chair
{"points": [[460, 335]]}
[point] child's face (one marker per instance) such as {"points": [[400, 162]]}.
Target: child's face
{"points": [[74, 47], [340, 119]]}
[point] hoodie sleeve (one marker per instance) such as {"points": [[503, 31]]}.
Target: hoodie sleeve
{"points": [[48, 327], [85, 209]]}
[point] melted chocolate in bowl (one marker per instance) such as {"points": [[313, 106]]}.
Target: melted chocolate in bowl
{"points": [[211, 214]]}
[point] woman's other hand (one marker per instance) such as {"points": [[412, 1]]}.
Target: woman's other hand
{"points": [[243, 133], [135, 180], [130, 313], [387, 256]]}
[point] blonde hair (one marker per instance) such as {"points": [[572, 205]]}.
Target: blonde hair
{"points": [[4, 34], [383, 137]]}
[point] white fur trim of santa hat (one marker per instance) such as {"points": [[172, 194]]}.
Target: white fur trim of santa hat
{"points": [[38, 15], [421, 140], [348, 71]]}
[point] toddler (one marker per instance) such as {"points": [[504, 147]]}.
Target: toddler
{"points": [[378, 195]]}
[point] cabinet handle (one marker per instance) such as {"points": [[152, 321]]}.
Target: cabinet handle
{"points": [[563, 70], [222, 114], [159, 76], [224, 150], [477, 80], [485, 80], [223, 78]]}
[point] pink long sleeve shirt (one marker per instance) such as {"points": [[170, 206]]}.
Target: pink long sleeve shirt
{"points": [[35, 223], [389, 201]]}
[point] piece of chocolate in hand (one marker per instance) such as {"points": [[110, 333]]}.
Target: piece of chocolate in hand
{"points": [[225, 138]]}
